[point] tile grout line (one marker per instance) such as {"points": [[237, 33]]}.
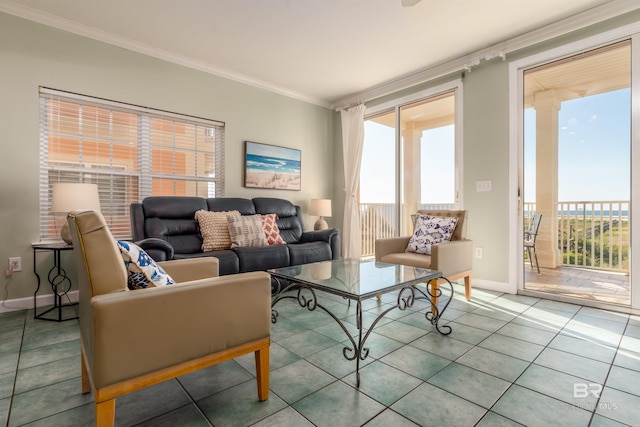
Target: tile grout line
{"points": [[15, 377], [597, 405], [523, 371]]}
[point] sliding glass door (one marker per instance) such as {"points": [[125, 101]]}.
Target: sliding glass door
{"points": [[408, 163], [576, 175]]}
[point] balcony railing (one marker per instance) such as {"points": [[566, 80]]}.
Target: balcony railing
{"points": [[378, 221], [591, 234]]}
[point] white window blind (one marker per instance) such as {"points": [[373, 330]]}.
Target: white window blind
{"points": [[130, 152]]}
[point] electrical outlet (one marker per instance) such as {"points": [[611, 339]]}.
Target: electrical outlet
{"points": [[479, 252], [15, 264]]}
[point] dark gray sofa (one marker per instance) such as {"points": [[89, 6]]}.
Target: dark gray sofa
{"points": [[172, 220]]}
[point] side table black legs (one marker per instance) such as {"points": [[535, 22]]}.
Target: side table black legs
{"points": [[58, 280]]}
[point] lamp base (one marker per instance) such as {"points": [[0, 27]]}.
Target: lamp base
{"points": [[321, 224], [65, 233]]}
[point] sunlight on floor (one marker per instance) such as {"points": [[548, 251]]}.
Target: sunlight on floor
{"points": [[604, 286]]}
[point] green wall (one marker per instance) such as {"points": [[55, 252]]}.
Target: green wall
{"points": [[33, 55]]}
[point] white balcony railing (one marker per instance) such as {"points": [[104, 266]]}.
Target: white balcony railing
{"points": [[592, 234]]}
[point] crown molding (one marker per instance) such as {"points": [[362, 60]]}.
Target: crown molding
{"points": [[589, 17], [592, 16], [93, 33]]}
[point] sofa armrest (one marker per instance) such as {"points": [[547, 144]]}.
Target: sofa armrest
{"points": [[158, 249], [452, 257], [331, 236], [142, 331], [391, 245], [186, 270]]}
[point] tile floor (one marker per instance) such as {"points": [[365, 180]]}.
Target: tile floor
{"points": [[510, 360]]}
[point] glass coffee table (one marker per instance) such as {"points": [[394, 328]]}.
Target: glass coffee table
{"points": [[358, 280]]}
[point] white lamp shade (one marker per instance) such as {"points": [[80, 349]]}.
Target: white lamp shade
{"points": [[67, 197], [320, 207]]}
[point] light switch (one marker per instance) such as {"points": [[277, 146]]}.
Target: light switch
{"points": [[483, 186]]}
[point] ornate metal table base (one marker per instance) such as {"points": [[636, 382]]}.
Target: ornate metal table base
{"points": [[58, 279], [407, 296]]}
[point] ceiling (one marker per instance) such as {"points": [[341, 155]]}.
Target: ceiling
{"points": [[320, 51]]}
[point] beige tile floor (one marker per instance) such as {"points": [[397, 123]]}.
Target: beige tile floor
{"points": [[595, 285]]}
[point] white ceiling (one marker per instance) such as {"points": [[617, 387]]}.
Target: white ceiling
{"points": [[321, 51]]}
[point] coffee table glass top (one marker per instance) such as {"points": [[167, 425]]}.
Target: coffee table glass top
{"points": [[354, 278]]}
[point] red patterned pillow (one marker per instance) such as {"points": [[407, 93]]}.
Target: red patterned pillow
{"points": [[271, 230]]}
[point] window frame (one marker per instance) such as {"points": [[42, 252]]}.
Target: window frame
{"points": [[455, 87]]}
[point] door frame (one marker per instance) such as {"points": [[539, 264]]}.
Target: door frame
{"points": [[516, 159]]}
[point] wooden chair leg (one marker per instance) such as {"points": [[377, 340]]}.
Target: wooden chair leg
{"points": [[105, 413], [86, 382], [467, 287], [262, 373], [435, 285]]}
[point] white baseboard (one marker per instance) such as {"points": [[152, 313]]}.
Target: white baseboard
{"points": [[26, 303], [491, 285]]}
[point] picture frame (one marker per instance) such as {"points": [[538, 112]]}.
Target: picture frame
{"points": [[272, 167]]}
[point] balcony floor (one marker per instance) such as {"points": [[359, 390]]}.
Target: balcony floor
{"points": [[596, 285]]}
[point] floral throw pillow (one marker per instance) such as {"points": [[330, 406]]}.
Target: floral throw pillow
{"points": [[271, 230], [430, 230], [142, 270]]}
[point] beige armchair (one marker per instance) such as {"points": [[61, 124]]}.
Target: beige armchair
{"points": [[452, 258], [134, 339]]}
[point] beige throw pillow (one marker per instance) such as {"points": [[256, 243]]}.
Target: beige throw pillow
{"points": [[215, 230], [246, 231]]}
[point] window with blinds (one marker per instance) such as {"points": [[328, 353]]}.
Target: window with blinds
{"points": [[130, 152]]}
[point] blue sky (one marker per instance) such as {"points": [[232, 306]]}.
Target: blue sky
{"points": [[377, 176], [593, 148]]}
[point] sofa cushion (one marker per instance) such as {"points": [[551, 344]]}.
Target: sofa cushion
{"points": [[271, 230], [304, 253], [289, 216], [430, 230], [221, 204], [246, 231], [262, 258], [142, 270], [214, 227], [171, 218]]}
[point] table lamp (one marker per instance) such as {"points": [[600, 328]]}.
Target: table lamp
{"points": [[71, 196], [320, 207]]}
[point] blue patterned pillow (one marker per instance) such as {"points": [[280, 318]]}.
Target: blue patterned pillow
{"points": [[142, 269], [430, 230]]}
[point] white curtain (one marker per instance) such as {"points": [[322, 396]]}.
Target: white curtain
{"points": [[352, 142]]}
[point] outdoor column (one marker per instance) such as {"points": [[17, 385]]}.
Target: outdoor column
{"points": [[547, 106], [411, 173]]}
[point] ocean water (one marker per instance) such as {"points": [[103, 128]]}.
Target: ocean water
{"points": [[588, 213], [272, 164]]}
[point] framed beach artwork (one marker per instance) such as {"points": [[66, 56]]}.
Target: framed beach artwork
{"points": [[270, 166]]}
